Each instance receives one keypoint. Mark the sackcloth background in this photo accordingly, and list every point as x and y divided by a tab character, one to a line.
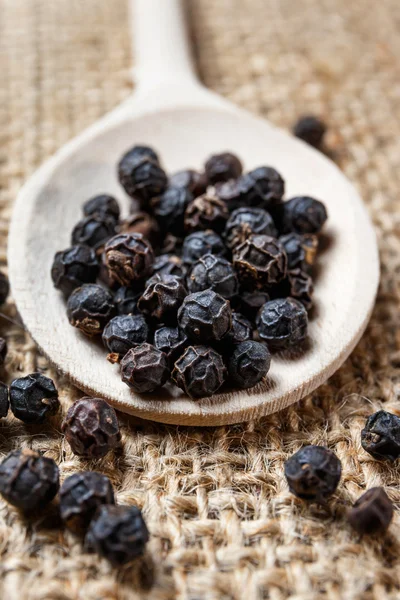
222	522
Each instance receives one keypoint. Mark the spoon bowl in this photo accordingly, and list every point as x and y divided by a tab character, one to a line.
185	123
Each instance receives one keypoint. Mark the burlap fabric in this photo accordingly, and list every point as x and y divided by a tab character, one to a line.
222	522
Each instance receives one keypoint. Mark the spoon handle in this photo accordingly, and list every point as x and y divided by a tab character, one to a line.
161	45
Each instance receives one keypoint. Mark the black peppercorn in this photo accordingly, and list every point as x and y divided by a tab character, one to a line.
260	261
199	243
118	533
28	480
91	427
172	341
4	400
303	215
143	223
73	267
33	398
249	364
162	297
3	351
381	436
169	264
297	285
126	299
199	372
247	221
206	212
311	130
145	369
213	272
372	513
193	181
169	209
268	188
222	167
102	206
129	258
251	302
93	231
4	287
241	331
205	316
81	494
89	308
313	473
300	250
124	332
140	174
282	323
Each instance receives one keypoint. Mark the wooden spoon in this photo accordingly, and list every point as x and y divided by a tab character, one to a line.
173	112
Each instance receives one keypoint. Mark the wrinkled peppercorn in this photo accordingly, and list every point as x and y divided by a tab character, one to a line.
241	332
260	261
169	264
28	480
103	206
199	243
91	427
268	188
193	181
33	398
300	250
311	130
206	212
89	308
199	372
172	341
129	258
144	369
4	400
222	167
3	351
4	287
251	302
205	316
118	533
213	272
125	300
249	364
124	332
313	473
372	513
247	221
303	215
93	231
297	285
81	494
143	223
381	436
282	323
169	209
140	174
162	297
73	267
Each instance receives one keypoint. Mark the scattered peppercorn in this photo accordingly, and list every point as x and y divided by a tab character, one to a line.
126	299
89	308
3	351
4	287
93	231
381	436
222	167
145	368
303	215
124	332
33	398
193	181
162	297
249	364
199	243
74	267
172	341
102	206
4	400
91	427
143	223
28	480
206	212
372	513
205	316
81	494
129	257
247	221
169	264
141	175
118	533
260	261
283	323
310	129
313	473
199	372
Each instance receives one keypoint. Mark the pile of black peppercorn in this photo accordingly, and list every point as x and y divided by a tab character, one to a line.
210	272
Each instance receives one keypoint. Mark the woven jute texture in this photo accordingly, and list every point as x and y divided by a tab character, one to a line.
222	522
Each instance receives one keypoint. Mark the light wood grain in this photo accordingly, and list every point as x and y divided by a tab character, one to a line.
186	123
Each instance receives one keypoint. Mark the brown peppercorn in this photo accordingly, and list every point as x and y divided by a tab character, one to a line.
222	167
145	369
143	223
91	427
162	297
372	513
193	181
129	258
199	372
206	212
260	261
